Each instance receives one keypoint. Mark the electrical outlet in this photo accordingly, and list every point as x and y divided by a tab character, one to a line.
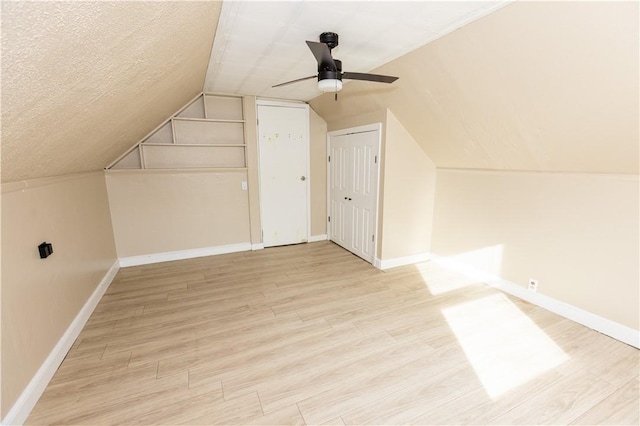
533	285
244	185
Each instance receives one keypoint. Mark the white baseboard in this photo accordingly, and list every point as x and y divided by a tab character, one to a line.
31	394
606	326
316	238
400	261
259	246
146	259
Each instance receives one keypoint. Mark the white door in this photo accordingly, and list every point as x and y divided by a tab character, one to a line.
283	145
353	191
339	171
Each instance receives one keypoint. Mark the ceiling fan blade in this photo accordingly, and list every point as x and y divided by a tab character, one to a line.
323	55
369	77
295	81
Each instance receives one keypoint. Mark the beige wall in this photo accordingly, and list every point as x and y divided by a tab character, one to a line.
407	187
409	191
537	86
40	297
575	233
318	173
164	211
549	86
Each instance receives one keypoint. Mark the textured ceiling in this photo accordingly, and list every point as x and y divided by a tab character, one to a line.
543	86
260	44
84	81
533	86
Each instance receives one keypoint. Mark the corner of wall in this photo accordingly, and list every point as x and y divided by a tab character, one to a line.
408	195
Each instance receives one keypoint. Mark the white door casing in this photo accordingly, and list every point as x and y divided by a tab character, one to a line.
283	151
353	189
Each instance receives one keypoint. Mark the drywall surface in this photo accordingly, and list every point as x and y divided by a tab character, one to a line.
41	297
84	81
545	86
318	173
407	187
409	193
166	211
577	234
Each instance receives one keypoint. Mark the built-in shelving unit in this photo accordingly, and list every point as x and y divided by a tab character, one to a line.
207	133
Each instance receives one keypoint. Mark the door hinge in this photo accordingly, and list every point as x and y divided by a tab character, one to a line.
329	218
329	158
373	238
375	159
262	235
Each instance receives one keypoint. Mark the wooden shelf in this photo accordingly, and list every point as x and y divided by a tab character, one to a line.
177	170
210	145
206	134
210	120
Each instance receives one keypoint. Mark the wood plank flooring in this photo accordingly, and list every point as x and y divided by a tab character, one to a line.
310	334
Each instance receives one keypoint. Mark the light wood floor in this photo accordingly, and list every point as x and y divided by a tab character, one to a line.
310	334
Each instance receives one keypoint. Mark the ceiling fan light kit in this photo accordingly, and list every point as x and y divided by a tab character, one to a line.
330	73
330	85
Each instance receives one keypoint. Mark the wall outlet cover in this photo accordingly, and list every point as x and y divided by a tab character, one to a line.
533	285
45	249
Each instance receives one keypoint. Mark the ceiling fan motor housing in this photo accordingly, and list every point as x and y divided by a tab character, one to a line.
330	39
327	72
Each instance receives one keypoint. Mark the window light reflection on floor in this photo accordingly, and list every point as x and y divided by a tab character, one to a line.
448	273
505	348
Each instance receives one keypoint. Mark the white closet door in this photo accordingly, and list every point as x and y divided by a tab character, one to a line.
353	191
339	170
283	155
363	193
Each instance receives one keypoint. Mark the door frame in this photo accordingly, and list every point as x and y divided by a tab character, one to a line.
284	104
343	132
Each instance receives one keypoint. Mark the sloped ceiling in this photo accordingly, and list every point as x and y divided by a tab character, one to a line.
532	86
262	43
84	81
542	86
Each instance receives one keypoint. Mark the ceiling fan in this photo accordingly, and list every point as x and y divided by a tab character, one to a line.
330	73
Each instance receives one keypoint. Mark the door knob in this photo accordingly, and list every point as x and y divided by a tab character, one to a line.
303	178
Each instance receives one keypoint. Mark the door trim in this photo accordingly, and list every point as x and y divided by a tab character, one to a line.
285	104
342	132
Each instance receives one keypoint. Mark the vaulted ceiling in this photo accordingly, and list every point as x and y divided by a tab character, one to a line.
84	81
530	86
260	44
535	86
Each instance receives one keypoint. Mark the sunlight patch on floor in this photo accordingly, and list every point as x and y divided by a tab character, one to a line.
440	280
505	348
445	274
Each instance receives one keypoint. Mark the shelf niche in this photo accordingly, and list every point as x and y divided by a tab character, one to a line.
206	133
